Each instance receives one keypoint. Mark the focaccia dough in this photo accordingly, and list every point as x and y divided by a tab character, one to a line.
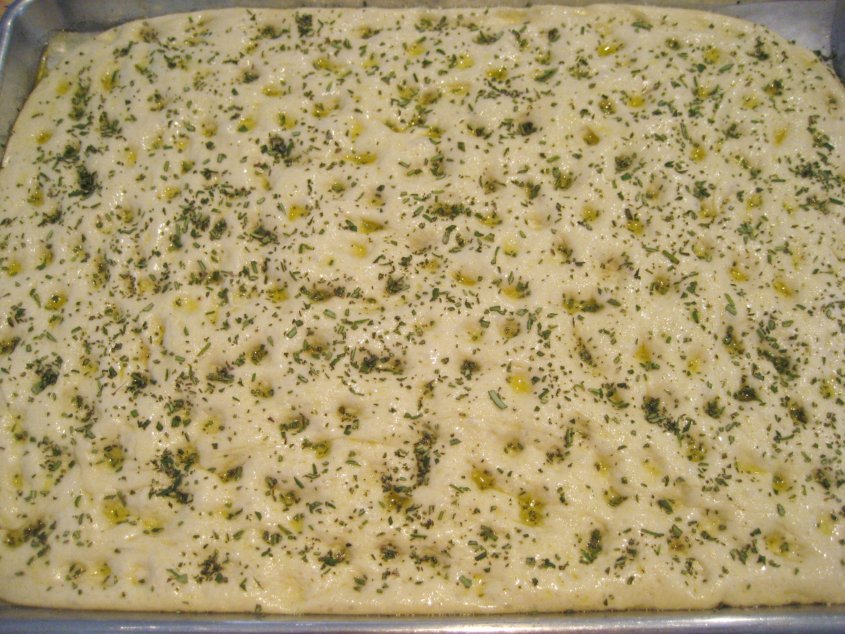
424	311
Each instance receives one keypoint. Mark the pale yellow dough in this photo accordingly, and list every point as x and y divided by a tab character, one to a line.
410	311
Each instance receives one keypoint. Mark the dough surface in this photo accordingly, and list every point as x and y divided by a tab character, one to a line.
424	311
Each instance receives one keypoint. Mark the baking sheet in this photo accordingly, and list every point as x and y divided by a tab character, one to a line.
776	621
24	31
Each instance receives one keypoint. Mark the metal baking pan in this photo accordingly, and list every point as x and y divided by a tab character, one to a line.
24	31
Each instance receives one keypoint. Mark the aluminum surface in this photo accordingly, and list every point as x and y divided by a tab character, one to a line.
837	39
24	31
807	620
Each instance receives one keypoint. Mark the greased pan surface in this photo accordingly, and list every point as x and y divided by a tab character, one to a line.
20	53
